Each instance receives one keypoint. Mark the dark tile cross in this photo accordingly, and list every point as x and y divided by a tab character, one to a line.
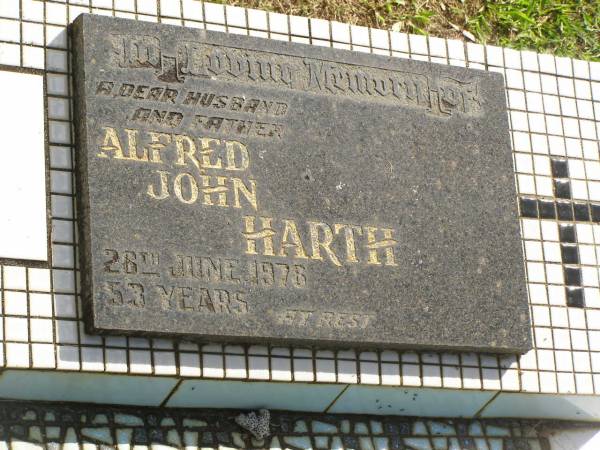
568	212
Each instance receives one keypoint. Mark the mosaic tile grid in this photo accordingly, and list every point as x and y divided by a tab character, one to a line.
77	427
554	113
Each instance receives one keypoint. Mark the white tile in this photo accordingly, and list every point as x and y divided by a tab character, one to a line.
67	357
390	374
170	8
16	329
583	89
529	60
325	370
140	361
523	163
494	55
360	35
411	375
596	91
399	42
107	4
242	31
42	356
33	11
150	6
451	377
236	16
556	295
564	66
437	47
360	48
532	81
278	23
418	44
255	33
281	369
585	109
257	19
10	54
549	84
116	360
14	277
66	332
303	369
319	29
456	49
595	70
10	30
17	355
41	330
39	279
476	53
534	102
299	26
512	58
24	231
56	14
566	86
321	42
15	303
124	5
369	372
9	8
516	100
164	363
566	383
235	366
554	125
212	366
92	359
380	39
40	305
189	364
401	55
547	63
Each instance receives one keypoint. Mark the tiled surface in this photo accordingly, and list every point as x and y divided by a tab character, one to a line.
49	426
421	402
554	113
544	406
85	388
254	395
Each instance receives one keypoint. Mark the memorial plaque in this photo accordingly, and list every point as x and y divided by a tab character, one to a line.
246	190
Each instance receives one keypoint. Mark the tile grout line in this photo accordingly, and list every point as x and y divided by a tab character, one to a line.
485	405
171	393
337	397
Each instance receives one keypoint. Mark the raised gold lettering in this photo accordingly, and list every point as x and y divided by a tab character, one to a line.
349	231
291	239
193	188
252	235
164	187
317	244
387	245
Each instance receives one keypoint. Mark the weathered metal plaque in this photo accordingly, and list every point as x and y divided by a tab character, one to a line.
241	189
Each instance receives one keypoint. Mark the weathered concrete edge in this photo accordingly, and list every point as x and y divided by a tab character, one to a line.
151	390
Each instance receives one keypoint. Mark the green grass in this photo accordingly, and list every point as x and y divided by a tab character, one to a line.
562	27
566	28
